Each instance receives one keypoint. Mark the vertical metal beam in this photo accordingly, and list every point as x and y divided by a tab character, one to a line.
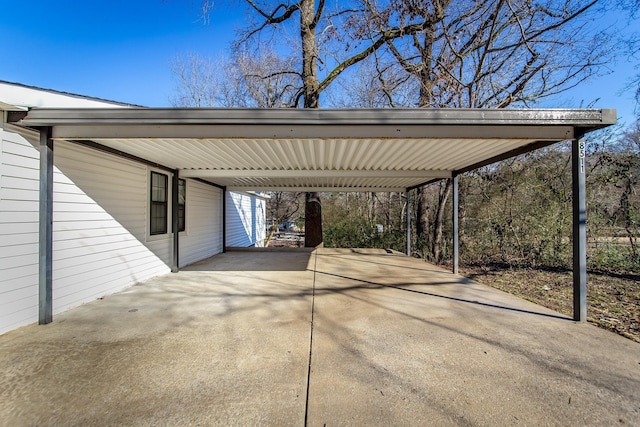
456	231
408	196
175	262
45	272
579	229
224	220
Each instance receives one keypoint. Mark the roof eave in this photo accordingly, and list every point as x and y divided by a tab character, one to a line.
588	119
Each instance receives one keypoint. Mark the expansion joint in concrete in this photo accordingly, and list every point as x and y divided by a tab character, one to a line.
313	302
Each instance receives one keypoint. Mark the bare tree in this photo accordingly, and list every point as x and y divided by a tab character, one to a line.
620	172
469	54
266	77
248	79
370	86
495	53
323	52
632	43
305	17
196	81
466	53
281	207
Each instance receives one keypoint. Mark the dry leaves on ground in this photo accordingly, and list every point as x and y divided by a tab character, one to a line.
613	300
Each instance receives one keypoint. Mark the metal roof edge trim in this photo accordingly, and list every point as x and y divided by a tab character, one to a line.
584	118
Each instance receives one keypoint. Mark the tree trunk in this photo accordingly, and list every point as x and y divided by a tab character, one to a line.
422	216
625	206
313	210
309	54
439	221
312	220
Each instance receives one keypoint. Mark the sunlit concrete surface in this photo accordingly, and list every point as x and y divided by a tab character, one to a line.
330	337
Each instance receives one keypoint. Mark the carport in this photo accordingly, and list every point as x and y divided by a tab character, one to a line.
314	150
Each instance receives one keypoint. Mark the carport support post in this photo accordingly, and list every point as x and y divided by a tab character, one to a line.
224	220
456	230
579	229
408	196
174	221
45	272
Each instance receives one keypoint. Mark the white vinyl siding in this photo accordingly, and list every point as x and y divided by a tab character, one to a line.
18	231
100	229
100	223
246	225
203	236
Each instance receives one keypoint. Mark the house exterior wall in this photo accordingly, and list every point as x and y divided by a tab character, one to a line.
203	235
101	239
246	220
18	231
100	227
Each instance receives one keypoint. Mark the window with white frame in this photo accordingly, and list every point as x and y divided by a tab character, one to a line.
159	207
182	203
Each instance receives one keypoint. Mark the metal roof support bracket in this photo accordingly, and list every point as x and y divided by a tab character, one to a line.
578	157
45	262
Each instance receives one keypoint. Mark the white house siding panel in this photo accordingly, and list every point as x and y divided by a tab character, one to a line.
203	236
100	222
261	221
19	167
246	225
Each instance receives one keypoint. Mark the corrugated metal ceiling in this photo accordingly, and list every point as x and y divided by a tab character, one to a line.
358	164
323	150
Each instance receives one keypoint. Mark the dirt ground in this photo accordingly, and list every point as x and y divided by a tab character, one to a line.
613	300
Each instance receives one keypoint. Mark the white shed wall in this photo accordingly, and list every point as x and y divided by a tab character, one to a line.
246	220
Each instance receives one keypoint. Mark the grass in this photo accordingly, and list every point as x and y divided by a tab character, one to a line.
613	300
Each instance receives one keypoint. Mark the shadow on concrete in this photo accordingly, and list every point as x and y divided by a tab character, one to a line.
294	259
239	341
390	256
462	280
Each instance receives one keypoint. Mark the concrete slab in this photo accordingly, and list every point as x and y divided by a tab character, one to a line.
400	342
394	341
223	342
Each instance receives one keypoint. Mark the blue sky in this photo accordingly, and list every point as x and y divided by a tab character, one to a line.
112	49
121	50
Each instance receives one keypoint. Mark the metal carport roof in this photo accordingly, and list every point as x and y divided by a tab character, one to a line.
314	150
317	150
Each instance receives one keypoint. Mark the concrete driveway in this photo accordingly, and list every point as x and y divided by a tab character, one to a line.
330	337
